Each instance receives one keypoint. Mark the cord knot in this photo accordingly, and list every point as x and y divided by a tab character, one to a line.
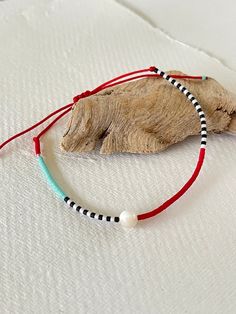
82	95
152	69
37	145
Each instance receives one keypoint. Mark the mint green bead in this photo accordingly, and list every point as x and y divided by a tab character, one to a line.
204	77
50	179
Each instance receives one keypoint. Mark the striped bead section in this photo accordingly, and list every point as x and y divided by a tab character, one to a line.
193	100
88	213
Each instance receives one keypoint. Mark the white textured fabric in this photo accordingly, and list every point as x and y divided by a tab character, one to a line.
52	260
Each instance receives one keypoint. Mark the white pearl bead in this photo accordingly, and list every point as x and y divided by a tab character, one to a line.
128	219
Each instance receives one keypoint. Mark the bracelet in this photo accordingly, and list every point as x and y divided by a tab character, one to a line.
126	218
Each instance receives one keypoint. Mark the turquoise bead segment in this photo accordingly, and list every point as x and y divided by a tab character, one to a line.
204	77
50	179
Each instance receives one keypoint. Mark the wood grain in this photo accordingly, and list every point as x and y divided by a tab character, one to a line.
147	115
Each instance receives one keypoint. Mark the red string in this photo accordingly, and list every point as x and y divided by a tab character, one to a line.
107	84
156	76
33	126
181	192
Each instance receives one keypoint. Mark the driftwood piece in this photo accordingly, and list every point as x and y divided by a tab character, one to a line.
147	115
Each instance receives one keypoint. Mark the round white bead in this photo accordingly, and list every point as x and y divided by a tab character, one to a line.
128	219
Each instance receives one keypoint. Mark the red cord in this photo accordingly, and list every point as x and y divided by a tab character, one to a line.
34	126
88	93
180	192
115	81
157	76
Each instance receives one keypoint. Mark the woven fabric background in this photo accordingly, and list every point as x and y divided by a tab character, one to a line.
52	260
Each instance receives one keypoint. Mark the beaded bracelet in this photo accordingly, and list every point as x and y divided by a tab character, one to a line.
126	218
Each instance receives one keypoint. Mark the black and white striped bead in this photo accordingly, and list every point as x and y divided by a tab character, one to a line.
88	213
193	100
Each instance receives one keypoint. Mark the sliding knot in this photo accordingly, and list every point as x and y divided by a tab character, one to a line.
82	95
